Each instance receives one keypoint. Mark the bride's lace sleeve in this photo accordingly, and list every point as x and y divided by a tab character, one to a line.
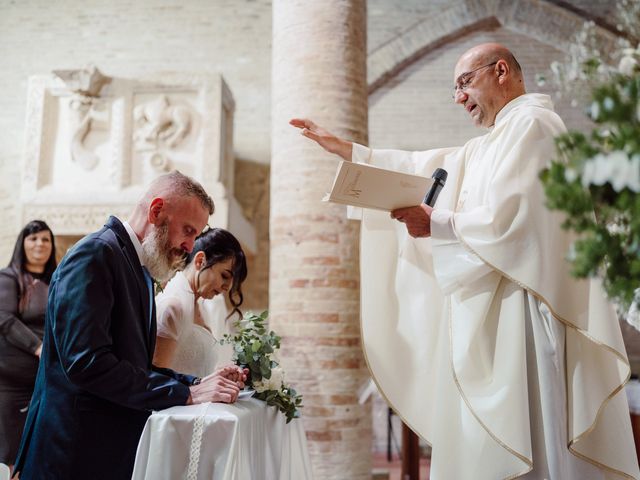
170	318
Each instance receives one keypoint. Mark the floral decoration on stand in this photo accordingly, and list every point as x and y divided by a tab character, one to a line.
255	349
599	173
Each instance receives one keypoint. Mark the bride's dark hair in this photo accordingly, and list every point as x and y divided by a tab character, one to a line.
219	245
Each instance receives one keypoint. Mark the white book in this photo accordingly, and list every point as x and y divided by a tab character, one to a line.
366	186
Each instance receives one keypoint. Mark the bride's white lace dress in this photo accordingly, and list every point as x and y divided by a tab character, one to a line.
198	352
219	435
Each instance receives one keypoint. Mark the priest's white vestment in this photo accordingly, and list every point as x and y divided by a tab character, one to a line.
478	336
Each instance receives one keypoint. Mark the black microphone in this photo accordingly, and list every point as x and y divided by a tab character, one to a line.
439	177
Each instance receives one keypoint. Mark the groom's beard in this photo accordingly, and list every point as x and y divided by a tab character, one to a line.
161	260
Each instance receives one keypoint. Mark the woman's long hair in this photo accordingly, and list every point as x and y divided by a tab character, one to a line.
19	260
219	245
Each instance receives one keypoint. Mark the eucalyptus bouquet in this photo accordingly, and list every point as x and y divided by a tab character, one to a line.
599	173
255	348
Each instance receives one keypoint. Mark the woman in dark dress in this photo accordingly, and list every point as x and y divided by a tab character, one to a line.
23	299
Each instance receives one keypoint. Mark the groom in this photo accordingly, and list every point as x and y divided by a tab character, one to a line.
96	385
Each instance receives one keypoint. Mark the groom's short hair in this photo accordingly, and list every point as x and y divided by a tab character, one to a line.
176	183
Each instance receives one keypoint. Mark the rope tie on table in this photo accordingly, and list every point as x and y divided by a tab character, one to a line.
194	449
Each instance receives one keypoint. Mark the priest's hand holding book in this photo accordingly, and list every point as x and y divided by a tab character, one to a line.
368	186
417	219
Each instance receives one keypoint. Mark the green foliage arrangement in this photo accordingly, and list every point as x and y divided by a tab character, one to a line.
254	348
599	173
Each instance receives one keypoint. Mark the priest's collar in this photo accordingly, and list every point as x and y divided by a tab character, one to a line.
528	99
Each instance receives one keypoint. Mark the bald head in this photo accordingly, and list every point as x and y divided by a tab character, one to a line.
489	53
487	77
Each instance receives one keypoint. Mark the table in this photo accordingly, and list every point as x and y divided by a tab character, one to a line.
217	441
632	389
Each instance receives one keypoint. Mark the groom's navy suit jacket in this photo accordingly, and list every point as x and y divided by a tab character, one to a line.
95	385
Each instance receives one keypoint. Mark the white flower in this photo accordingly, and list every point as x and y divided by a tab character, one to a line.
616	168
273	383
617	229
277	378
627	65
593	174
570	174
608	104
259	386
633	182
594	111
587	173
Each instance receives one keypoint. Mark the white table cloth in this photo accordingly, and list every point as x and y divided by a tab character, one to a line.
217	441
633	396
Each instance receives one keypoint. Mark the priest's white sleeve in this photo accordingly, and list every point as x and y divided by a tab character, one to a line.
455	266
419	163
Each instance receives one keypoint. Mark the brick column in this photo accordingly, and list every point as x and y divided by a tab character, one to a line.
319	72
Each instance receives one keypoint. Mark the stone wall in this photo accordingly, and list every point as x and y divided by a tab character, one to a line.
389	19
252	191
131	39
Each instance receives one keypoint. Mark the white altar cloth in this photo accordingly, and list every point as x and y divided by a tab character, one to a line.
217	441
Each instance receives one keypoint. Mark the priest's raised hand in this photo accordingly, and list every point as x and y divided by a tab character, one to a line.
324	138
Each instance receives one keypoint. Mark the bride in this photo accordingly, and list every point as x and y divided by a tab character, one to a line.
191	310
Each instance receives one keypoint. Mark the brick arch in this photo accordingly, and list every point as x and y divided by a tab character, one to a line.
547	22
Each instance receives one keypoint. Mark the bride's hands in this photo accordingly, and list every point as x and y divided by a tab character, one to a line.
223	385
234	373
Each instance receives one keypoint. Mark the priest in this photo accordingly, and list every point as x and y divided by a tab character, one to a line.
473	327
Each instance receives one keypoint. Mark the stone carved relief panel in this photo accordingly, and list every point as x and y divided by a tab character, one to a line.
165	130
88	114
95	142
75	219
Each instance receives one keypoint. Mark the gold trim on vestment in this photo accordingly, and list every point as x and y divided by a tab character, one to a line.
366	358
512	451
585	334
520	456
384	396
